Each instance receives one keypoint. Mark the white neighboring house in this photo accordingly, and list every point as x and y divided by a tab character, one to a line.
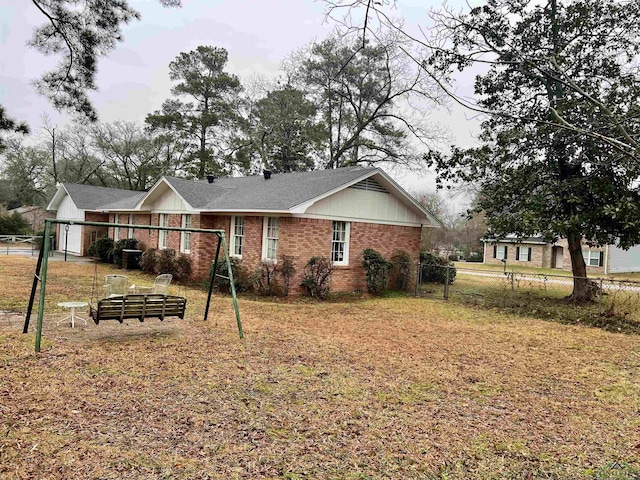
83	202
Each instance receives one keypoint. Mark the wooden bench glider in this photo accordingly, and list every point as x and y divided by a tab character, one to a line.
140	306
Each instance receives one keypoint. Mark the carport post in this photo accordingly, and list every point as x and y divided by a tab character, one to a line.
43	283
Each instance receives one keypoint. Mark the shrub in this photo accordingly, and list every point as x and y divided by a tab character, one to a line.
287	269
474	257
241	276
181	267
166	261
433	269
317	277
149	260
266	279
125	243
102	248
376	269
453	257
402	269
13	224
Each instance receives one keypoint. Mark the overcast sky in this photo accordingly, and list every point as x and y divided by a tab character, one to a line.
133	80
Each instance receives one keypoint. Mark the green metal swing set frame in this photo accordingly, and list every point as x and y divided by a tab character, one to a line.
43	262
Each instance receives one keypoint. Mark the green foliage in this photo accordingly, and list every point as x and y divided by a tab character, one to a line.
376	269
317	277
402	269
287	269
212	97
149	260
122	244
242	279
434	269
13	224
166	261
453	257
475	257
283	132
102	248
560	155
266	279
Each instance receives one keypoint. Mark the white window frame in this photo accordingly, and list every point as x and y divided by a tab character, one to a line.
266	238
234	236
345	242
185	237
116	230
501	252
590	255
163	235
525	258
132	221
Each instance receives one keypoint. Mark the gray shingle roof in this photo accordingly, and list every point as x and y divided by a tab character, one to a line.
90	197
281	192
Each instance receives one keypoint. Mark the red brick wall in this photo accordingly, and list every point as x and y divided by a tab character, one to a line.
303	238
88	229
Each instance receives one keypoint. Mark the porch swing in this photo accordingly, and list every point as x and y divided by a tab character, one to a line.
123	305
120	307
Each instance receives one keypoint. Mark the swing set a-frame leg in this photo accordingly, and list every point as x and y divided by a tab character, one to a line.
222	242
34	287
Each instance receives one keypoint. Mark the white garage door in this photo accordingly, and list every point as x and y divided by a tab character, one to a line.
74	238
624	260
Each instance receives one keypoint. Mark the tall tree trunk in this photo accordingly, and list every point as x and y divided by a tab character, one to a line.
581	286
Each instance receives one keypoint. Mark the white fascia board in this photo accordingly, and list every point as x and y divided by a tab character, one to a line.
386	182
302	207
236	211
163	180
57	198
359	220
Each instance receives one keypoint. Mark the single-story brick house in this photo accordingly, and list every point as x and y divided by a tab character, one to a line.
333	213
535	252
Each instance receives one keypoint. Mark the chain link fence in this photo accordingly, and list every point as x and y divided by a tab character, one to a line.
615	304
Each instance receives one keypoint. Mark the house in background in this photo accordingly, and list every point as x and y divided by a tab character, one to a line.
85	203
535	252
33	215
332	213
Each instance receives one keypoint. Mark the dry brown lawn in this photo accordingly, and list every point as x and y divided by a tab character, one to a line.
398	388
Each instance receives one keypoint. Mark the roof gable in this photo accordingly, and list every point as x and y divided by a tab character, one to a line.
91	197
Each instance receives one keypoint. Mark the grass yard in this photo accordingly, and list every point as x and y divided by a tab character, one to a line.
359	388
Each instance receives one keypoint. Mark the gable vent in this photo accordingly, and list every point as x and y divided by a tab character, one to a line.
369	184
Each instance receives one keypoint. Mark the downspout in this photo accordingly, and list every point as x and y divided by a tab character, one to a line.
606	259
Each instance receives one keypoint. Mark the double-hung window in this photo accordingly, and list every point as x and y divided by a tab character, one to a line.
116	230
270	235
163	234
185	237
593	258
500	252
523	254
237	236
340	243
132	221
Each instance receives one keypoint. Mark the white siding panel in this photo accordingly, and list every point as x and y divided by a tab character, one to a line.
68	211
624	260
74	237
364	205
169	202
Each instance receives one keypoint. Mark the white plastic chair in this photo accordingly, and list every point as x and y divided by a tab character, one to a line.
161	283
115	285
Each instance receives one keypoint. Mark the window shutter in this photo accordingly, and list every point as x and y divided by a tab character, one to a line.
601	263
495	251
529	255
506	250
517	253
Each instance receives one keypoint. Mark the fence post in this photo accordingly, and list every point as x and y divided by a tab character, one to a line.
418	273
600	299
446	283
